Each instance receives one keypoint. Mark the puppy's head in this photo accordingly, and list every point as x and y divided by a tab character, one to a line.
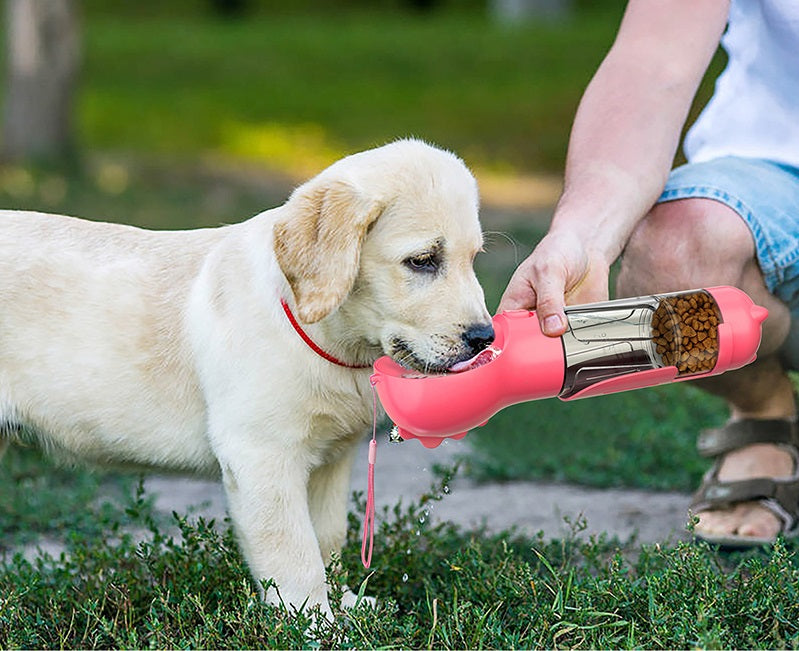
386	239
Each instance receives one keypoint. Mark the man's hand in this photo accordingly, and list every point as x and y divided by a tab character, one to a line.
560	270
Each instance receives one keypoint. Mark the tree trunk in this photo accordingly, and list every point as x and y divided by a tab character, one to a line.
43	58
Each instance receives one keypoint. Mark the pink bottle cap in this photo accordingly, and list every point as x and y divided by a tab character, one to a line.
740	331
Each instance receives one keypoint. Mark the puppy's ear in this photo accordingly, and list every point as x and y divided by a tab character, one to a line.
318	246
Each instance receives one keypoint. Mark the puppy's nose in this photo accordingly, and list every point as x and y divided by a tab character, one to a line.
478	337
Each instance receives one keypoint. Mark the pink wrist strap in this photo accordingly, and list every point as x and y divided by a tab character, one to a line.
369	516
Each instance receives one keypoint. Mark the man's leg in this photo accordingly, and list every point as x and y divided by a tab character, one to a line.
693	243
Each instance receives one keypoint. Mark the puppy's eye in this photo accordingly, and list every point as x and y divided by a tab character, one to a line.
426	262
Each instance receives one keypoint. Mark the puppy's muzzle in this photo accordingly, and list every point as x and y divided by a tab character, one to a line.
477	337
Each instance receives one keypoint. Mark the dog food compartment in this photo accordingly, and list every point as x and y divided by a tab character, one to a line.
685	329
622	337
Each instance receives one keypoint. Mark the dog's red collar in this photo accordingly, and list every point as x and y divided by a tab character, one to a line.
310	342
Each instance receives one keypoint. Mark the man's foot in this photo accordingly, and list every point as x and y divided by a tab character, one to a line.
747	519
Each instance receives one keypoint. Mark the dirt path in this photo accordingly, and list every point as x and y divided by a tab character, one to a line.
404	470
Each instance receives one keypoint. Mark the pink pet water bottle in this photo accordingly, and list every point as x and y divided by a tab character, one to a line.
608	347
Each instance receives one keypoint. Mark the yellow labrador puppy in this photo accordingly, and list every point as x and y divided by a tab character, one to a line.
245	351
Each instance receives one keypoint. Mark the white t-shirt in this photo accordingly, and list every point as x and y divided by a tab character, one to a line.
754	111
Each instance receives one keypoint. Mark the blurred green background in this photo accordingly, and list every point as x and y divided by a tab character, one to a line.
296	85
194	113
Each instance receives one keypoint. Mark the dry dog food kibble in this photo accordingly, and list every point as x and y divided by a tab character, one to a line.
685	332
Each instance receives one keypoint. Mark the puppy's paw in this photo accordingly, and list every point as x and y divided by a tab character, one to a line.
349	599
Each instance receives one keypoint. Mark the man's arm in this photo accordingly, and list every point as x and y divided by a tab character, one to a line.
623	141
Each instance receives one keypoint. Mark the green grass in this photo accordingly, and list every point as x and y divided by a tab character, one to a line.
644	439
40	499
293	90
437	587
289	90
146	192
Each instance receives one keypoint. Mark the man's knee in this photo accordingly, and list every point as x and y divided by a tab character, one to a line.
685	244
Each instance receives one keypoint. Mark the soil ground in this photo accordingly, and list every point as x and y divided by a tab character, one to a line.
404	470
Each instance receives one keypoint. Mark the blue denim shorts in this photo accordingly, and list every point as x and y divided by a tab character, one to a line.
766	196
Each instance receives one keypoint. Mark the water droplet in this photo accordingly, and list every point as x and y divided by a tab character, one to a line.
446	489
421	520
404	578
408	551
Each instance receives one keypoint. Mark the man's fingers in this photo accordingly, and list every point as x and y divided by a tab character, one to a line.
550	312
519	294
538	284
517	299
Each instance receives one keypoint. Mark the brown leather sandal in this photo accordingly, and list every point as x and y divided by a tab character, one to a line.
780	496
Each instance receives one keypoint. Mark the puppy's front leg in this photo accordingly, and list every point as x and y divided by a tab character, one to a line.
328	491
267	499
